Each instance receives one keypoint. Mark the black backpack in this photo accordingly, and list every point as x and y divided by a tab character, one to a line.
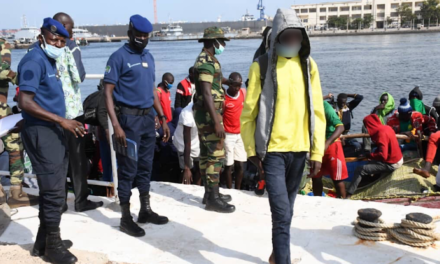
90	106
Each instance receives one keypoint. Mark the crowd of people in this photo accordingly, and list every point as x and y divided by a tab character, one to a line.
213	134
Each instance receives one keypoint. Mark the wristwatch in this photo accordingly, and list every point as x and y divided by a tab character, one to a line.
163	117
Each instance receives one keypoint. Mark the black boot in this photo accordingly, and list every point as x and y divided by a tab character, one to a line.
146	214
40	243
225	197
127	225
55	251
87	206
215	203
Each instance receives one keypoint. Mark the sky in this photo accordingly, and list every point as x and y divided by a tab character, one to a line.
110	12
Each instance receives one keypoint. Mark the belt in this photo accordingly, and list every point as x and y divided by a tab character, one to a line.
217	105
134	111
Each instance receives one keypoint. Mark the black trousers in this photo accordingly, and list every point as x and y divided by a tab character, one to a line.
46	148
78	166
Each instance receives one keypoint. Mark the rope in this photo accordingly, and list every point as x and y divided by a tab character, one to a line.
407	232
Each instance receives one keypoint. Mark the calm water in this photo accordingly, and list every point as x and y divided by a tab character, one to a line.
367	65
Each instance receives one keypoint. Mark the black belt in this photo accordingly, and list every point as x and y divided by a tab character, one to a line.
134	111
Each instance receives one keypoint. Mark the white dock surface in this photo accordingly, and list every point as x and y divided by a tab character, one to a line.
321	232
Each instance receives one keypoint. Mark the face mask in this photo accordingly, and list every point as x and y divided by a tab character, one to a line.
220	49
169	86
287	51
51	51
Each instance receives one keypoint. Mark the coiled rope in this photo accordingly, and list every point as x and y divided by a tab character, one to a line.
407	232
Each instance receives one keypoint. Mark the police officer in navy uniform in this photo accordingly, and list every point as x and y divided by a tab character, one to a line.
41	98
130	87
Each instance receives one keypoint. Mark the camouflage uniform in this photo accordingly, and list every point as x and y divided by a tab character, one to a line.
212	151
12	142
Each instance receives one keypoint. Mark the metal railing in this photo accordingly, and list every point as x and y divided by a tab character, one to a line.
113	184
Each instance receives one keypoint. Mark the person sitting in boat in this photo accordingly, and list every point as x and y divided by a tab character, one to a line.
333	162
344	110
436	105
434	141
185	90
415	100
384	110
387	156
409	122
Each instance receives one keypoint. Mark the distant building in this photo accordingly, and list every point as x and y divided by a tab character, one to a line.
316	15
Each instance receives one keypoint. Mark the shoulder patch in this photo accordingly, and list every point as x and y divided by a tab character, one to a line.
108	69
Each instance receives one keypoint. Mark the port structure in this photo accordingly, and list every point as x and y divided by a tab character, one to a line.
261	8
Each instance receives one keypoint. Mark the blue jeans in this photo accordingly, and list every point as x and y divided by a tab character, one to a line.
283	176
131	173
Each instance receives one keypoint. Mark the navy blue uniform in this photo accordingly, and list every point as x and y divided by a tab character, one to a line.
133	75
44	141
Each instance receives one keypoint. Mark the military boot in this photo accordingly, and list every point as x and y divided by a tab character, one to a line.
40	243
215	203
146	214
18	198
128	226
225	197
56	252
2	195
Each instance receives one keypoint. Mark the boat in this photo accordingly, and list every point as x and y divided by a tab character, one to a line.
247	17
79	33
26	35
175	33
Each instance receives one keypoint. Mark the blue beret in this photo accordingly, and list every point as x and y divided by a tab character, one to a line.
141	24
55	27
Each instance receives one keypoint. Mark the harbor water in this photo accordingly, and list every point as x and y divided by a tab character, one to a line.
367	65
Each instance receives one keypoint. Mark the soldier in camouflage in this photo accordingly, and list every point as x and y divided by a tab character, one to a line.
12	142
208	107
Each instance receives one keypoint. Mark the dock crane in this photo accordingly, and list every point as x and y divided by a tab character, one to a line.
261	8
155	12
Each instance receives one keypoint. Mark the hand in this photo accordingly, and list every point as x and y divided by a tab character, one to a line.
219	130
380	107
315	167
257	162
120	135
330	95
17	128
156	122
166	132
327	144
187	176
73	126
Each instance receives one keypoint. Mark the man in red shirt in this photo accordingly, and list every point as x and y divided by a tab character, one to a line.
185	90
385	159
235	152
163	92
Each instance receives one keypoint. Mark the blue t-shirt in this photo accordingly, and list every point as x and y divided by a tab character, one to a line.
37	74
133	75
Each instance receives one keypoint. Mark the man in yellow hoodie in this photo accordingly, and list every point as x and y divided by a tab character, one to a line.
283	119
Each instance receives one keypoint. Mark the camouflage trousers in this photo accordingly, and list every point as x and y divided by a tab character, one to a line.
212	150
14	147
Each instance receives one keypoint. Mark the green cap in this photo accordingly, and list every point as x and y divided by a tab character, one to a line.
213	33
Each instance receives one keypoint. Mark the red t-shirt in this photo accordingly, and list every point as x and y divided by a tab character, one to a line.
165	102
232	112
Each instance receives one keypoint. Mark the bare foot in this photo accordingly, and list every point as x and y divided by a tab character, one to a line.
422	172
272	259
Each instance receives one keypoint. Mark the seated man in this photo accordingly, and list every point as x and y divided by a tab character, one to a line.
408	122
186	141
436	105
333	162
163	92
344	110
415	99
385	159
234	148
434	141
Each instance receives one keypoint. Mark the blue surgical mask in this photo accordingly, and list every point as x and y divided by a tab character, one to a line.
287	51
169	86
51	51
220	49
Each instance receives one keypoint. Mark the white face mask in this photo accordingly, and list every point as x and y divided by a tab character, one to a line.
51	51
